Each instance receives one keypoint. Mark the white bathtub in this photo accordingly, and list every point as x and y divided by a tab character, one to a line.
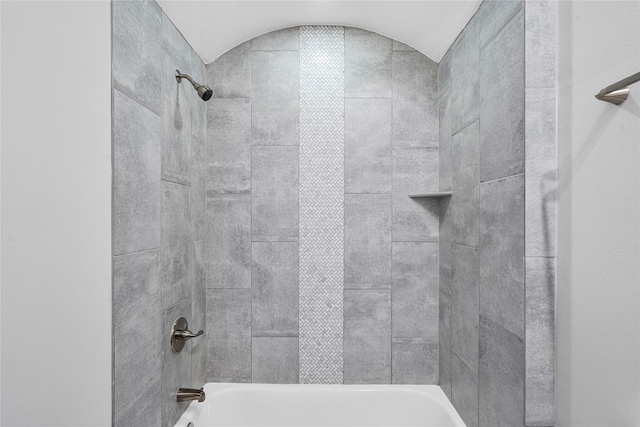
321	405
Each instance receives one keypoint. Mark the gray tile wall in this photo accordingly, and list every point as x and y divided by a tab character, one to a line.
540	182
252	211
497	142
272	135
159	214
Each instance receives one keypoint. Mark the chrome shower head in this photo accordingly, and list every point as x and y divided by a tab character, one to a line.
204	92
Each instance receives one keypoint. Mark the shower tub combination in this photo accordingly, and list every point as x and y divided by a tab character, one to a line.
261	405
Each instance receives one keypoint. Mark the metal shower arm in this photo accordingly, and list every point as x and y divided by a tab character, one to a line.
618	92
180	76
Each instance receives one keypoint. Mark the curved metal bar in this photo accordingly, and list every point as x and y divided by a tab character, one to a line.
618	92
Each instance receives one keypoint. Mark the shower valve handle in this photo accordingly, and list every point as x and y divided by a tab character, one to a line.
187	334
180	334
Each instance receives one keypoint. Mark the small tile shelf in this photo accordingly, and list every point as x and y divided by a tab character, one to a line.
436	195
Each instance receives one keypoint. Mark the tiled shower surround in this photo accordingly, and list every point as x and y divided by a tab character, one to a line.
497	231
281	217
159	215
320	268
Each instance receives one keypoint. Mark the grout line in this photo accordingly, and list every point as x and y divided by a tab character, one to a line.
276	145
210	193
299	164
275	336
477	119
275	50
230	97
415	241
463	246
136	252
503	329
506	23
455	353
368	97
115	86
169	181
504	178
251	193
344	184
393	176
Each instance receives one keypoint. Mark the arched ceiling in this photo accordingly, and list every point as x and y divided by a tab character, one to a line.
212	27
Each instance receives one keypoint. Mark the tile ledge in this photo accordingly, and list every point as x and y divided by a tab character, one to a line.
434	194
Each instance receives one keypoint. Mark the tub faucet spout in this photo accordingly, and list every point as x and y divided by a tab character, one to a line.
187	394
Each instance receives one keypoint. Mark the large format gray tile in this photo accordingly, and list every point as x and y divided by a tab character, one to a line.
136	319
465	183
415	99
198	364
415	360
445	241
198	106
137	51
229	76
367	67
465	66
540	341
464	392
493	15
541	23
367	337
176	367
199	315
541	173
285	39
444	147
175	45
274	360
415	170
399	46
502	103
501	376
136	176
197	192
176	243
444	73
367	146
228	243
275	95
176	124
275	194
198	286
502	253
229	145
465	305
367	241
444	343
229	335
274	289
146	411
415	290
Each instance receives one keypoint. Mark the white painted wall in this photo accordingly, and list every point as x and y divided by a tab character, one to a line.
56	213
213	27
598	323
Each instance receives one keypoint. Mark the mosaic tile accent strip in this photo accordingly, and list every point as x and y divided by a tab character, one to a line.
321	198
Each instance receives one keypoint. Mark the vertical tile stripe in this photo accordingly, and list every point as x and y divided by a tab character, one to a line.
321	197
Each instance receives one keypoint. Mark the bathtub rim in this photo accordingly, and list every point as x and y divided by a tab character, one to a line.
430	391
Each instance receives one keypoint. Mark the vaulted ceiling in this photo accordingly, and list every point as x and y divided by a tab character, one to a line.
212	27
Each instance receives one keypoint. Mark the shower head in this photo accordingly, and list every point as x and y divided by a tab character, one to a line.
204	92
